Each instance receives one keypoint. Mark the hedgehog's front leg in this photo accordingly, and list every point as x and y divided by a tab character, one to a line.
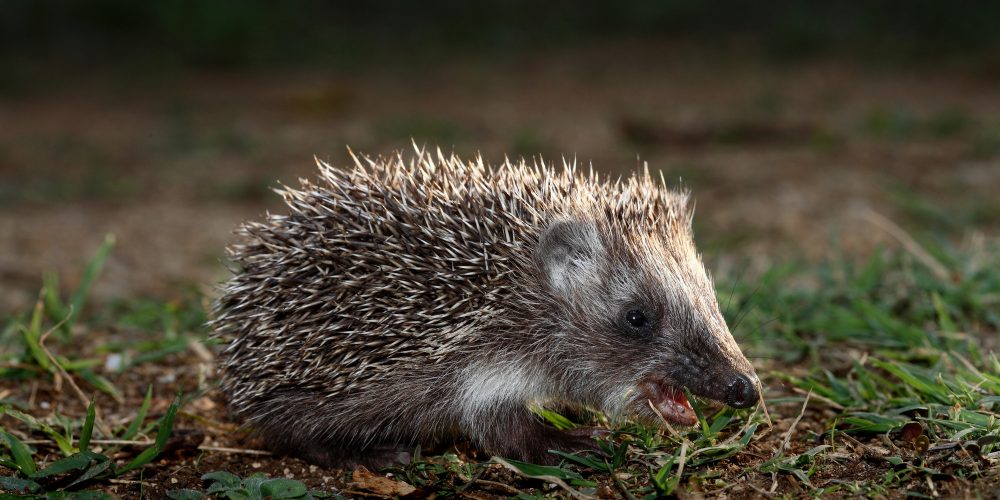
515	432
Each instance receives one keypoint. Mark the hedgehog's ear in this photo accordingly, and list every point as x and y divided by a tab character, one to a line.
569	253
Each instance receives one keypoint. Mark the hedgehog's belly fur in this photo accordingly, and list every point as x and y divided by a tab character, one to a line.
419	405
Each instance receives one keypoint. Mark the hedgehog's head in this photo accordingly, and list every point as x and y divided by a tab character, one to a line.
638	319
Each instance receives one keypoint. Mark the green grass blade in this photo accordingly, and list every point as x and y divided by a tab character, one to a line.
945	322
167	424
17	485
97	470
88	426
32	343
162	435
133	427
65	446
20	452
100	383
907	374
583	460
665	482
73	462
557	420
538	471
89	274
141	459
55	309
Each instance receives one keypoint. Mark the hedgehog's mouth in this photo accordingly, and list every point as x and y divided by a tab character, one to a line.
669	401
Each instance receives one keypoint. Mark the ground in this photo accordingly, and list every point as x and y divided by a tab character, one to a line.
847	212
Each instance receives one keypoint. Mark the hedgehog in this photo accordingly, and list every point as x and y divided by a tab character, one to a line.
424	300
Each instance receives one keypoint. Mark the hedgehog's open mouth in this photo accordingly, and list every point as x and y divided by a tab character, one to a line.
670	402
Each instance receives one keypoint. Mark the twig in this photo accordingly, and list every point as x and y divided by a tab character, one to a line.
680	465
544	477
854	444
829	402
785	442
126	442
669	427
930	483
112	442
972	368
32	393
716	493
686	441
618	482
241	451
98	421
201	351
763	404
760	490
209	422
735	436
908	243
131	481
363	494
500	486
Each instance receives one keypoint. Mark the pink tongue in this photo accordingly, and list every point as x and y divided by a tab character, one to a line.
672	403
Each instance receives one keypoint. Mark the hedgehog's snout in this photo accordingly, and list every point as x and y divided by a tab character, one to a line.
716	370
742	391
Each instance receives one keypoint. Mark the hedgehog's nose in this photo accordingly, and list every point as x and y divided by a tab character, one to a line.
742	391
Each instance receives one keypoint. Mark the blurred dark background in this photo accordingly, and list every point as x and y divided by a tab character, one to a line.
793	122
240	34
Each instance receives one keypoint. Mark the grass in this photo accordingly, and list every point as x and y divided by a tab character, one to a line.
76	465
79	466
902	124
256	486
891	345
881	375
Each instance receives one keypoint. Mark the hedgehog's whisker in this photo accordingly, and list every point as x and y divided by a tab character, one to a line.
732	292
762	325
743	313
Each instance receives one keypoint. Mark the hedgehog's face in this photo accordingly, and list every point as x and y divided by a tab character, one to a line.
641	323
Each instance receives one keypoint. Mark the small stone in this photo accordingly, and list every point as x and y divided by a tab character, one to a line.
114	362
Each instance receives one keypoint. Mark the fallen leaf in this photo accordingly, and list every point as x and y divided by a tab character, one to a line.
987	440
363	479
911	431
972	448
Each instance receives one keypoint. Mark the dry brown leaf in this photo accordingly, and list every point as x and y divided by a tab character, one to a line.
363	479
911	431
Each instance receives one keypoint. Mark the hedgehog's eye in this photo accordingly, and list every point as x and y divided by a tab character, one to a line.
636	319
